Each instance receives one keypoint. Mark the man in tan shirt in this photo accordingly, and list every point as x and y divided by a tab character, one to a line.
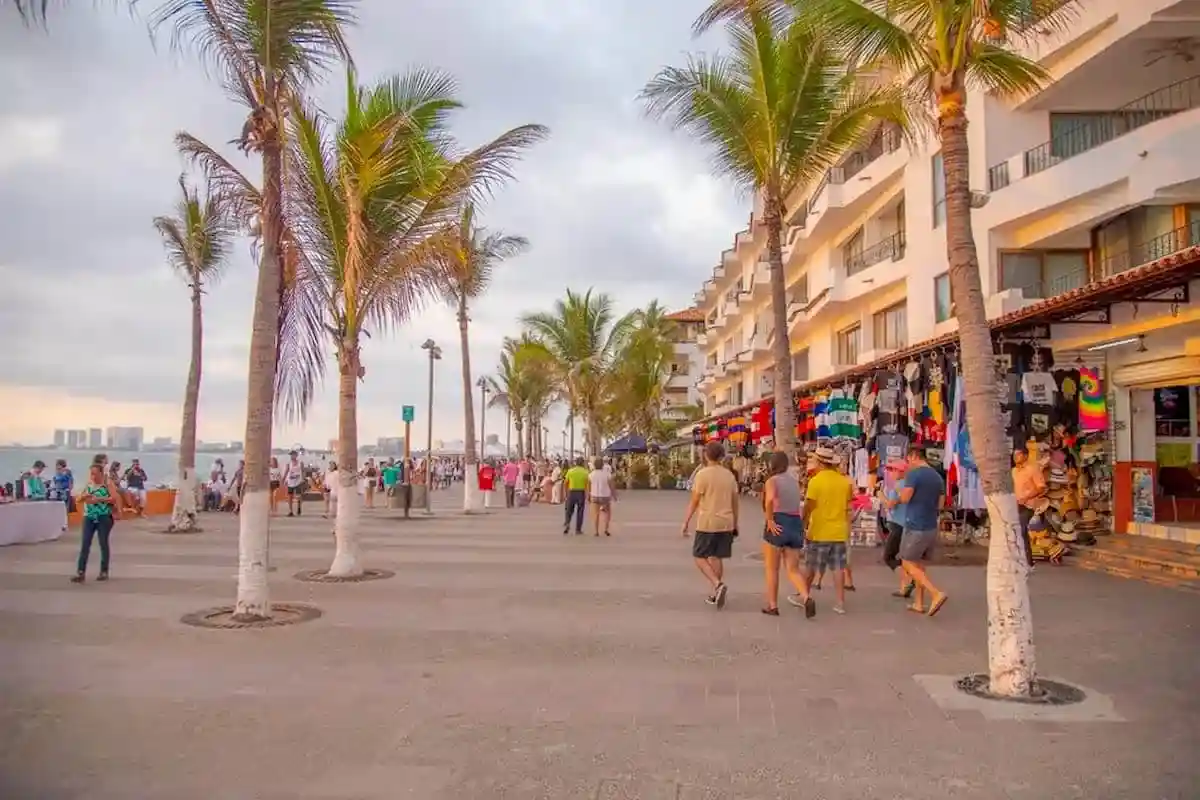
1029	484
714	504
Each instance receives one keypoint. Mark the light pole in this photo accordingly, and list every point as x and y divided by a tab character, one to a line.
564	444
483	390
508	431
435	354
545	440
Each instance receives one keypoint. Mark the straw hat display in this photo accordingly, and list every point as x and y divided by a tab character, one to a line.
1078	495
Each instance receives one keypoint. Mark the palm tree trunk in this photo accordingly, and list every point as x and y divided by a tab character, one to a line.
1011	662
519	424
471	452
785	409
254	519
347	559
183	516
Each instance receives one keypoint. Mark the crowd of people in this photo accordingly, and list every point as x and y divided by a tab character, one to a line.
809	507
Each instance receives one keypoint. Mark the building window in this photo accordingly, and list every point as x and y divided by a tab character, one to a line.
1042	274
800	366
939	191
799	290
943	299
852	252
891	327
848	345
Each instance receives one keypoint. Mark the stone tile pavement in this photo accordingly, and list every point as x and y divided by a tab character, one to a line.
507	661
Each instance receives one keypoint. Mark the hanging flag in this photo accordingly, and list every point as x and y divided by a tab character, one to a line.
1093	413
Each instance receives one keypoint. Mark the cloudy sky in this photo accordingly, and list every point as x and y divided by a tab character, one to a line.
93	324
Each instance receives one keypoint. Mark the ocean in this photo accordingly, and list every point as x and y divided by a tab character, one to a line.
161	468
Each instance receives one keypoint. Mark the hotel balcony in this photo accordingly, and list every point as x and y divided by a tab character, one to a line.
1118	158
760	281
708	379
844	189
732	365
702	339
730	306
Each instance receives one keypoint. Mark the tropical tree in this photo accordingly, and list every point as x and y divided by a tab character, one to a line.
265	52
582	336
198	240
475	255
777	112
375	201
639	374
523	383
940	48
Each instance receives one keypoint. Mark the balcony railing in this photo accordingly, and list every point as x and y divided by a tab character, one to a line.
1159	247
1101	129
890	248
888	141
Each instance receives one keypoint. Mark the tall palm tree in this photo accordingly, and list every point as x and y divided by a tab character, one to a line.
582	336
641	370
198	240
777	112
266	52
475	256
374	202
940	48
525	382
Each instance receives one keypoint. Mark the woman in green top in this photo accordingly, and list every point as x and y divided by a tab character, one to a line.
101	502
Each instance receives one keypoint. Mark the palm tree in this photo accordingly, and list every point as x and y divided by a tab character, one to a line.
476	254
582	336
266	53
641	370
523	384
198	239
373	201
776	113
940	48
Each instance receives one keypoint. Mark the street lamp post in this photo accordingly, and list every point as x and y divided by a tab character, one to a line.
564	443
545	440
483	390
435	354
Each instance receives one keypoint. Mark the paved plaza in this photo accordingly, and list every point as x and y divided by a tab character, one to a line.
505	660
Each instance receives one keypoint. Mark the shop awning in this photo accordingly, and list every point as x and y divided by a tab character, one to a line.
1149	280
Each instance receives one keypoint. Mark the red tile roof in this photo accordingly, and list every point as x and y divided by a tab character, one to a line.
1154	276
687	315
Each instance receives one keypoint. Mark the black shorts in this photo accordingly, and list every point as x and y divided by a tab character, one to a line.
274	485
712	545
296	489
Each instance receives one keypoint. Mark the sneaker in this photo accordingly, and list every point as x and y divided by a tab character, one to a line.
78	578
722	591
839	610
103	576
291	514
711	599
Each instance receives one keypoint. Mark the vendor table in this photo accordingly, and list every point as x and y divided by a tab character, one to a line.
31	522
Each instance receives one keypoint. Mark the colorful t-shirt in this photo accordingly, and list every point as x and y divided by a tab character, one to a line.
577	479
97	511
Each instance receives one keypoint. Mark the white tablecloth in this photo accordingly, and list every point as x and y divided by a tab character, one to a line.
31	522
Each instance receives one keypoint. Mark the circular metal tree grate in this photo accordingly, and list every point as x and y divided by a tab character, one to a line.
323	576
1045	693
222	617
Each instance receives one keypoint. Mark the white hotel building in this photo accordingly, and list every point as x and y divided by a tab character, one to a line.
1094	175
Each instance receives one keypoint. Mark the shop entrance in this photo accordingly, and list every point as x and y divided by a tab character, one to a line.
1176	451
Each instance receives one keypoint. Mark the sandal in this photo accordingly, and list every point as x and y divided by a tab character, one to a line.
937	605
771	612
78	578
915	610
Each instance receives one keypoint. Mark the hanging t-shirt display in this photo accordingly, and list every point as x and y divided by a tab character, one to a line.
1038	391
866	407
843	414
891	447
914	398
806	423
821	412
1093	413
1066	406
888	402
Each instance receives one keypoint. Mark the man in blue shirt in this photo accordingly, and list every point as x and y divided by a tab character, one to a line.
894	521
923	496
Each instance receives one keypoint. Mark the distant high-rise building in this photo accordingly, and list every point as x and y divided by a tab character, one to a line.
390	445
95	438
76	439
122	438
60	437
333	445
237	446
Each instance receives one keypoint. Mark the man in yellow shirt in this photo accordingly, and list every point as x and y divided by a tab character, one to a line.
576	481
827	515
714	504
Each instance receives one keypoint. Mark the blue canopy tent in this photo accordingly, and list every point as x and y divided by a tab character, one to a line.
627	444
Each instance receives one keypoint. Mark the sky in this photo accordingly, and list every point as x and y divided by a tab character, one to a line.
95	326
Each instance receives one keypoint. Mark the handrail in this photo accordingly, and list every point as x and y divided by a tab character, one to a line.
1151	250
886	141
1159	104
890	248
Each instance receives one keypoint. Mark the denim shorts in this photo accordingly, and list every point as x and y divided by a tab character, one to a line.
791	535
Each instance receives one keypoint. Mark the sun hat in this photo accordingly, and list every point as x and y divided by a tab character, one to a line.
825	455
1041	505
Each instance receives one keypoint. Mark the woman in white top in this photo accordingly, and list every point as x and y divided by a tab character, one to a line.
276	480
601	494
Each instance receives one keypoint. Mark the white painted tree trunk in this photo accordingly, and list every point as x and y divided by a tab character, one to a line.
1011	657
253	596
183	516
471	494
347	562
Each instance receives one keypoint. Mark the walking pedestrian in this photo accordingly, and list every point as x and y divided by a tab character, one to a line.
293	479
370	478
827	514
714	505
276	475
101	501
894	521
510	474
783	537
1029	485
923	496
576	481
601	494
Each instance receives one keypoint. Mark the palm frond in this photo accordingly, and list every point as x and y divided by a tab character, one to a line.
199	238
242	198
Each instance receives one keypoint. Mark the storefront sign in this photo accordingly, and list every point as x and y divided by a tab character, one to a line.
1142	479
